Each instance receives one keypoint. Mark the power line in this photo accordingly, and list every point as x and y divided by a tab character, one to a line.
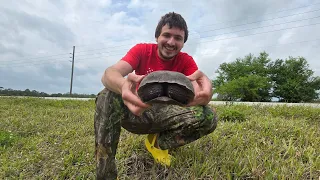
276	45
83	59
41	60
246	23
48	60
9	61
312	4
261	21
102	43
107	47
29	58
259	33
41	57
227	27
28	63
101	52
206	37
275	12
224	38
240	31
265	26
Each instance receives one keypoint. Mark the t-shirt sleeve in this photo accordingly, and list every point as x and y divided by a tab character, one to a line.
133	56
190	66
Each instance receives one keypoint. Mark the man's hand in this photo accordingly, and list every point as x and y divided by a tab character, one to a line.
130	95
202	88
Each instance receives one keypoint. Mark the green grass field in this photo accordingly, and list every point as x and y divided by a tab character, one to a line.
48	139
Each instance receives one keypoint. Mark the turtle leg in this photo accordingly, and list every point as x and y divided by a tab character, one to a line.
107	118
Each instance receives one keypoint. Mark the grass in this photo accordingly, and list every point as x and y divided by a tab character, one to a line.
48	139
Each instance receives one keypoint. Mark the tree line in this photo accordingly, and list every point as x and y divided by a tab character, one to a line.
34	93
259	79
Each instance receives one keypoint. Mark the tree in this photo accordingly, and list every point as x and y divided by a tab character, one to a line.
260	79
26	92
251	88
245	79
34	93
293	81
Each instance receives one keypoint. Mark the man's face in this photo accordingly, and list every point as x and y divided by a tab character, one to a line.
170	42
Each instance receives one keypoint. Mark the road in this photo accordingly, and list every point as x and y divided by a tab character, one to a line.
316	105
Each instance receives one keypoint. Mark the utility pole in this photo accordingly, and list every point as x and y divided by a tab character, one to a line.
72	70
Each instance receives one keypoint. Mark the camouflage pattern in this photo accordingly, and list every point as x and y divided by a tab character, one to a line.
175	125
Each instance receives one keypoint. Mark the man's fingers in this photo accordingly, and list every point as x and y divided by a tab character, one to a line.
204	94
135	78
129	94
196	75
133	99
193	103
135	109
130	97
207	84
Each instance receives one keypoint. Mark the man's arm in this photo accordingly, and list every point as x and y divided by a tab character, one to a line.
202	87
113	77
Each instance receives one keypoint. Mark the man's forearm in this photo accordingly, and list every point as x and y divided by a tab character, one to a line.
113	80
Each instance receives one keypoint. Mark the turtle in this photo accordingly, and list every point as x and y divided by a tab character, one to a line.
166	87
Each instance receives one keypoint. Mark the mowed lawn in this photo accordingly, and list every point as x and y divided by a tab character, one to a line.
50	139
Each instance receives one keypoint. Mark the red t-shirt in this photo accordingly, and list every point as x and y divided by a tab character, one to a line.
144	59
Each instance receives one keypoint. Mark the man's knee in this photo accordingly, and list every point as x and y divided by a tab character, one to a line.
210	118
107	97
99	99
207	118
205	114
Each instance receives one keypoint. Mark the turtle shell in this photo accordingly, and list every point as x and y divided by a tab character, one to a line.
166	87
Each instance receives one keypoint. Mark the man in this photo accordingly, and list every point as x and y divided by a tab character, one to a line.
168	126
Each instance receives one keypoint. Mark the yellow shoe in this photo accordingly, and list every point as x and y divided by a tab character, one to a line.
161	156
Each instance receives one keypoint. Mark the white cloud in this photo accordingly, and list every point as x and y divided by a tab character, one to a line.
105	3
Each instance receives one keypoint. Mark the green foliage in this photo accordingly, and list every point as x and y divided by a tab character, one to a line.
293	81
232	115
259	79
34	93
249	65
247	88
244	79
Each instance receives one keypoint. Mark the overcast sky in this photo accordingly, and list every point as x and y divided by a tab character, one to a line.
37	36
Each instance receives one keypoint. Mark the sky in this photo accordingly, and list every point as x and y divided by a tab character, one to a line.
37	36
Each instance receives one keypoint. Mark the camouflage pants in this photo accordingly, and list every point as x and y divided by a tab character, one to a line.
176	126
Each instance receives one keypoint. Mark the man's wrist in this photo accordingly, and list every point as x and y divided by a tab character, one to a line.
121	86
